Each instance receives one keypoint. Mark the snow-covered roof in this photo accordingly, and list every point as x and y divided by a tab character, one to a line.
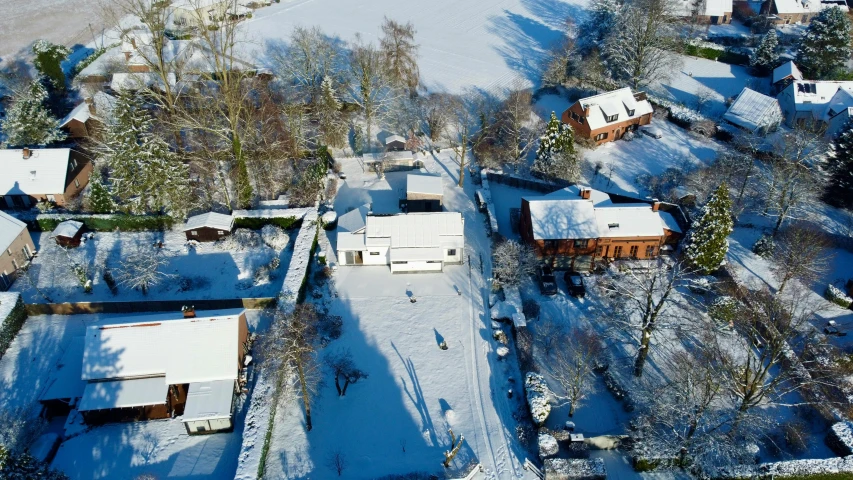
66	379
354	220
668	222
394	138
80	113
417	254
752	110
711	8
428	184
209	400
184	350
597	197
213	220
134	392
68	229
401	156
562	218
616	102
803	6
787	69
816	96
414	230
122	82
628	221
42	174
10	228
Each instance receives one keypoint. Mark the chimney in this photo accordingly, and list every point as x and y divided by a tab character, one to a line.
27	153
126	56
586	110
90	101
585	192
640	96
189	311
655	206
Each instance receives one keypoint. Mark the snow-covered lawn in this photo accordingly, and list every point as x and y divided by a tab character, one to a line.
224	269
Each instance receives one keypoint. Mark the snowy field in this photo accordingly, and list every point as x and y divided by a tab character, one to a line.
224	269
124	450
61	21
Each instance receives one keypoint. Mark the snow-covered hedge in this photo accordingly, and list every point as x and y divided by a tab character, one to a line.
575	469
537	397
840	438
836	296
12	317
107	222
792	468
548	446
679	114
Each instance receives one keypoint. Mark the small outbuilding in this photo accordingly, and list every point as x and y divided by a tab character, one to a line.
68	233
754	112
209	227
395	143
424	193
784	75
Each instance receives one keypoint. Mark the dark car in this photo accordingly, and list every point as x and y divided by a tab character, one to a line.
547	280
574	283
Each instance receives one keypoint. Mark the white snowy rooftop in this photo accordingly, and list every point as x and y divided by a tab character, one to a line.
628	221
354	220
752	110
428	184
817	96
122	82
210	220
133	392
394	138
788	69
10	228
803	6
711	8
618	102
563	218
209	400
68	228
43	173
668	222
413	230
183	350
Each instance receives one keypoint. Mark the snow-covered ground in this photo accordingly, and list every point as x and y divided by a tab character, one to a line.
61	21
223	269
125	450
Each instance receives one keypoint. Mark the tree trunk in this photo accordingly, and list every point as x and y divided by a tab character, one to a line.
344	391
572	409
643	352
462	161
305	399
338	385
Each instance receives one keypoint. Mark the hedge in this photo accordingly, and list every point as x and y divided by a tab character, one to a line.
717	55
106	223
253	223
11	325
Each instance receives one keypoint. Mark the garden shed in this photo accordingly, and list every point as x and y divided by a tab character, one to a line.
209	227
68	233
424	193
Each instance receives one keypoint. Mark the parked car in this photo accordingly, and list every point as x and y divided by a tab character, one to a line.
547	280
830	330
574	283
653	132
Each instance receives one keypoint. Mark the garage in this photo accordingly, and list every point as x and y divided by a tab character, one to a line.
410	260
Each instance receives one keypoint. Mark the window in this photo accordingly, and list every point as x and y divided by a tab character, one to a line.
580	120
77	183
631	113
581	243
374	253
32	174
617	251
612	225
612	118
575	116
600	136
551	244
634	250
220	232
451	252
650	251
194	233
598	251
9	251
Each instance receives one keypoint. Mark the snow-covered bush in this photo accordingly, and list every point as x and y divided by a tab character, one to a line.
574	468
836	296
840	438
547	445
764	247
723	310
12	317
537	397
502	352
678	113
242	239
274	237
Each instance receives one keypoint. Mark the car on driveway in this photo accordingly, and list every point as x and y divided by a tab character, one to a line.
653	132
547	280
574	283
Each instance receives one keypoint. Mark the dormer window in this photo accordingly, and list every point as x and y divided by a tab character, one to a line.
631	113
612	225
612	118
32	174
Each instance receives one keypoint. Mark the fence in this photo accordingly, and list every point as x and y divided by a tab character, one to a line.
146	306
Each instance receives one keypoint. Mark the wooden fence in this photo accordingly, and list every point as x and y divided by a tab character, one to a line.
146	306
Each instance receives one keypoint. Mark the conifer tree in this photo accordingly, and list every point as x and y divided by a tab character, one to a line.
99	198
766	55
48	61
333	128
839	166
145	175
28	122
825	47
556	155
244	186
707	243
603	15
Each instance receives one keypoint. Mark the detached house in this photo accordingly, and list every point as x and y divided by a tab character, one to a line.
784	74
825	103
91	114
711	12
415	242
785	12
32	175
606	117
16	248
582	222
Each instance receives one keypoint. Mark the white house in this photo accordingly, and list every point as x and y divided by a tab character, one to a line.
754	112
785	74
414	242
714	12
823	102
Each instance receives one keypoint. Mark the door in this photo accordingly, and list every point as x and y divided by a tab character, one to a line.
27	254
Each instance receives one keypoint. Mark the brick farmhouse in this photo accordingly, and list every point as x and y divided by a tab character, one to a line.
606	117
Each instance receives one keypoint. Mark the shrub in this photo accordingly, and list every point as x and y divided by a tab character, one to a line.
253	223
530	309
836	296
110	281
723	310
764	247
10	326
106	223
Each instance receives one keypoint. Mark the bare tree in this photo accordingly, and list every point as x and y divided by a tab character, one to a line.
343	367
400	54
310	58
369	86
555	69
337	461
142	268
645	296
517	127
573	363
455	445
512	261
437	113
801	253
703	96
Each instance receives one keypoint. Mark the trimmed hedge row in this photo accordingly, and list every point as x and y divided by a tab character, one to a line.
259	223
11	325
724	56
105	223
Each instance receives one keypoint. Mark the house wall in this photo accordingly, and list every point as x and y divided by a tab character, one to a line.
376	256
70	241
14	254
412	267
243	340
726	18
614	130
791	18
134	414
77	178
423	196
423	205
206	234
395	146
76	129
206	426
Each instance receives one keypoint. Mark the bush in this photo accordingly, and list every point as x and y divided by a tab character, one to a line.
836	296
724	310
105	223
537	397
764	247
110	281
253	223
10	326
795	434
530	309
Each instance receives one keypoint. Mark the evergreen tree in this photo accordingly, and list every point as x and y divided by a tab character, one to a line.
358	140
825	47
766	55
28	122
333	128
599	24
707	243
145	175
556	155
48	61
22	466
244	186
839	166
99	198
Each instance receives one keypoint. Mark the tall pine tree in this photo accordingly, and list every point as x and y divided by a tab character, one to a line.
603	15
708	242
99	198
825	47
556	155
145	175
28	121
244	185
332	126
766	55
48	61
839	166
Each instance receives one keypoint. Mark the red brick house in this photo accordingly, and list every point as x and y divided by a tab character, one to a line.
31	175
606	117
